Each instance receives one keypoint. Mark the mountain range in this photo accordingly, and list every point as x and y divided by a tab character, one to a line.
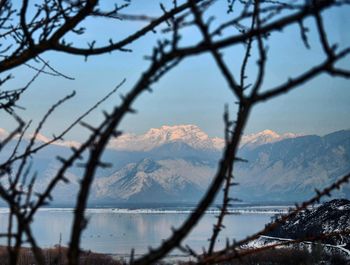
191	135
177	163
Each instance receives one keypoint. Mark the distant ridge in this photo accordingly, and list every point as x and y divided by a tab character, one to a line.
191	135
177	163
264	137
155	137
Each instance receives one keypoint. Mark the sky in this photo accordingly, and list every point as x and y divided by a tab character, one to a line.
194	92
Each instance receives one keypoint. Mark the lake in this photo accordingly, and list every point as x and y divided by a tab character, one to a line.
117	231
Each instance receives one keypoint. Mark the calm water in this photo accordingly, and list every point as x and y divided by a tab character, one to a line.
117	231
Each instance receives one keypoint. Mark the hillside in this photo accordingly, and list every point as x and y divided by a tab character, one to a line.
330	217
177	163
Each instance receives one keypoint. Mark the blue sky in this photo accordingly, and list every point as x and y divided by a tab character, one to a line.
194	92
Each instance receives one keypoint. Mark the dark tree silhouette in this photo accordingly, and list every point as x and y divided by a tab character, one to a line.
27	36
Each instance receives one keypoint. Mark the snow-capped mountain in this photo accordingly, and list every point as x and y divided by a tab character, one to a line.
290	169
279	170
155	137
153	181
191	135
177	163
264	137
40	138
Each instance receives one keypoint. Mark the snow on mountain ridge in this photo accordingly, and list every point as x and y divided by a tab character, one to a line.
155	137
40	138
191	135
264	137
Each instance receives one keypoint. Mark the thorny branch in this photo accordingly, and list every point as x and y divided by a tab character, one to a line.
25	38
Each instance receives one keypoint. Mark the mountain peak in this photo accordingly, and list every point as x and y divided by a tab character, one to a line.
264	137
191	135
269	132
155	137
177	132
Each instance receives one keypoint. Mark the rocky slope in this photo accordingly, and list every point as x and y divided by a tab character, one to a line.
155	181
290	169
330	217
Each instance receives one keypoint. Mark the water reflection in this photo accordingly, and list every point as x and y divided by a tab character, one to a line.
112	232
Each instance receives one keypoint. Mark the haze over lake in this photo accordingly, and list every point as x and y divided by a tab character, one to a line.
117	231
